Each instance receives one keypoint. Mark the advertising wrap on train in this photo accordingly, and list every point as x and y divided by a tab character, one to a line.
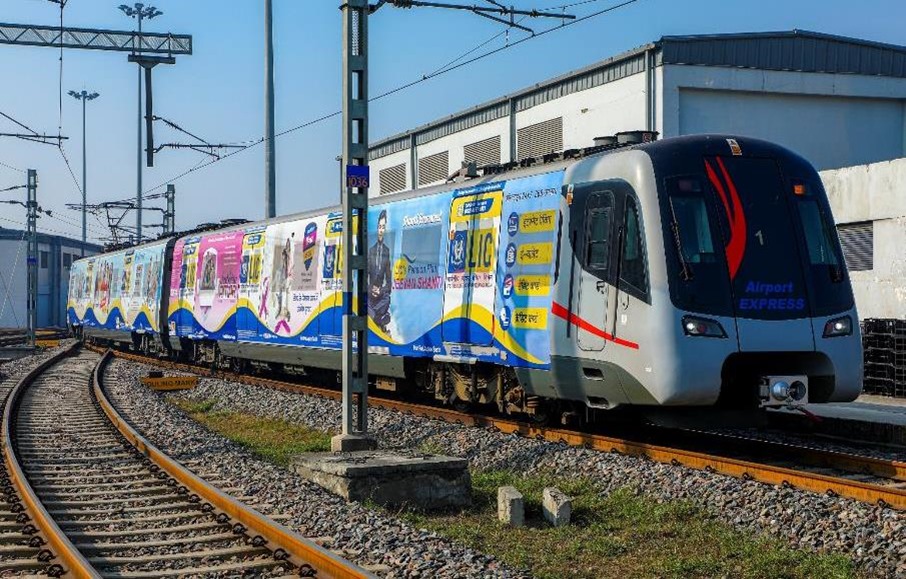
118	291
461	274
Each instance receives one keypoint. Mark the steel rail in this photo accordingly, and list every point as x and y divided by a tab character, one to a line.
301	551
858	464
73	562
777	475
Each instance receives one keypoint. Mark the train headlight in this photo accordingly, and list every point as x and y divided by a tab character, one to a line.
780	390
695	326
838	327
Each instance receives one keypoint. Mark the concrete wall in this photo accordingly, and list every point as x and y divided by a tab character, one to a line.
876	193
832	120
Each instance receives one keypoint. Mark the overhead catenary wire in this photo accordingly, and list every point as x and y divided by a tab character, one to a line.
46	230
11	168
19	123
400	88
55	215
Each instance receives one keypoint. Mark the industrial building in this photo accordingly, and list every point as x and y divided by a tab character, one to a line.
837	101
55	256
840	102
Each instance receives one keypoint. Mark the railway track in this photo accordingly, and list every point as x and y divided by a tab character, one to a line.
866	479
17	336
89	497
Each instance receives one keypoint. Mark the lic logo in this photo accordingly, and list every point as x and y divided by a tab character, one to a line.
458	252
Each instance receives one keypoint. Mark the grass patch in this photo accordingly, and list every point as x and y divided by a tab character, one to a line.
621	535
274	440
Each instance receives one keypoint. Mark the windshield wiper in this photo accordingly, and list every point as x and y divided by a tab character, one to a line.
685	270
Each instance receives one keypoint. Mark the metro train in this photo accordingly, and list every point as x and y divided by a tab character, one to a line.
693	271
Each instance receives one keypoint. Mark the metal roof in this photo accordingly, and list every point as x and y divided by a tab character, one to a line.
794	50
7	234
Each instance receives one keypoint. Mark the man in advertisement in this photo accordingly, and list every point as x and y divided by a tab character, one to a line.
379	277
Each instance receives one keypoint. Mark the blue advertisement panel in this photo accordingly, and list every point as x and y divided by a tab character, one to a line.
526	263
466	274
405	279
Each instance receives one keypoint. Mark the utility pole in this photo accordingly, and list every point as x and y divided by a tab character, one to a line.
354	196
270	160
139	12
32	256
170	213
84	96
355	235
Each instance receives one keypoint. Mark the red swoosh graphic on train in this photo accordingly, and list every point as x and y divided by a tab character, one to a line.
736	247
575	320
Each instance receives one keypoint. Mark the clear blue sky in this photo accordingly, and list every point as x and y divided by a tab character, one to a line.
217	92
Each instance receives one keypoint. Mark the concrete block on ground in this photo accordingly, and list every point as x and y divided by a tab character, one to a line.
352	442
510	506
557	507
397	478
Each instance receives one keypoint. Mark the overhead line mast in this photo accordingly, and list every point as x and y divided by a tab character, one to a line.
146	48
354	196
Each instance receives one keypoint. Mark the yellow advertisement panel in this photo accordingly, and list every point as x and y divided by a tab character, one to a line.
482	254
535	253
533	285
538	221
530	318
474	207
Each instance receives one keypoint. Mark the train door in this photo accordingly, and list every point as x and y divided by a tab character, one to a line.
471	281
629	312
595	257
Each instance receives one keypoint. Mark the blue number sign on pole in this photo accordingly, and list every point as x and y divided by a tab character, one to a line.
358	176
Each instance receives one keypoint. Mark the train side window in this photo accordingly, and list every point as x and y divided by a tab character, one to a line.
633	274
597	231
818	236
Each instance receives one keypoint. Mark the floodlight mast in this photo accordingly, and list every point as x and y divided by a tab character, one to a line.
139	11
84	96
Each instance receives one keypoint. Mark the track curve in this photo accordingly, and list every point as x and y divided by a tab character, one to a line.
109	504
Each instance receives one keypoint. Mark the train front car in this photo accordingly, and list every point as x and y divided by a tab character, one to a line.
762	310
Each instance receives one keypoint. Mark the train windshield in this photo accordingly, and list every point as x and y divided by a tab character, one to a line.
761	245
829	292
698	248
747	242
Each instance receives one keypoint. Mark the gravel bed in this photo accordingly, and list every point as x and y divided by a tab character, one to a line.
391	547
13	370
874	537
